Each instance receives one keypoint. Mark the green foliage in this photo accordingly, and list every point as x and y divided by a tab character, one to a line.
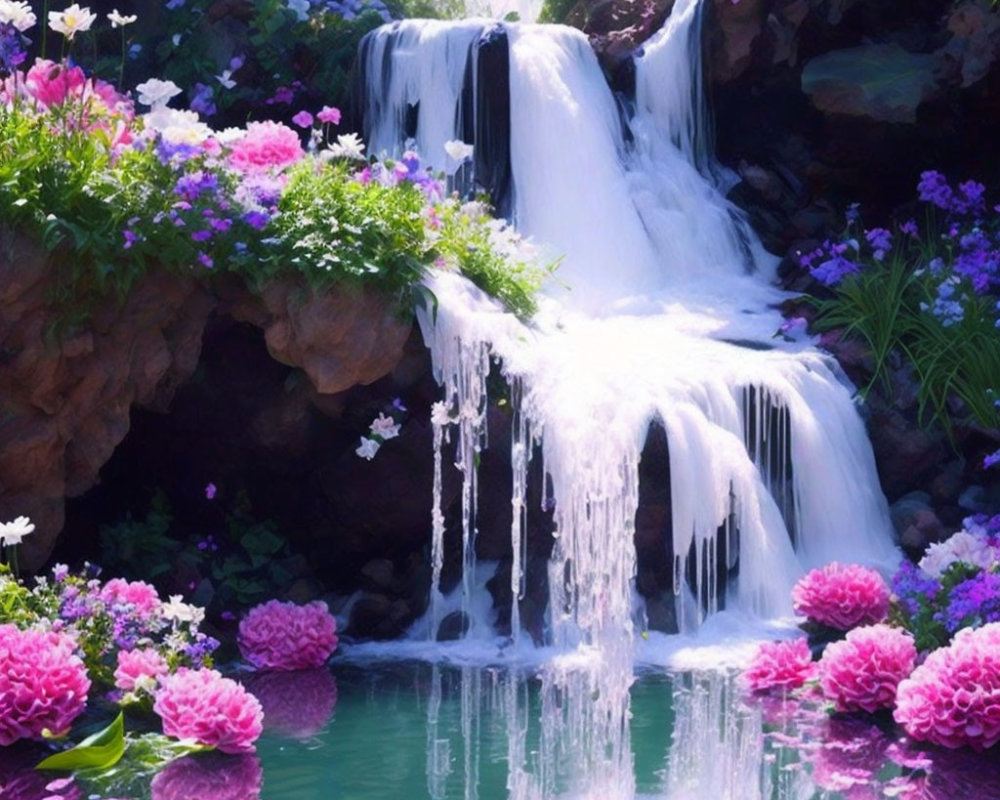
556	10
333	229
141	548
99	751
913	303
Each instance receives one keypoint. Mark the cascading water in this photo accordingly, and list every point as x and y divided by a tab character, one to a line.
663	314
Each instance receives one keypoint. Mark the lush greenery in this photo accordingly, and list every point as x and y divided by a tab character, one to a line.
112	193
927	294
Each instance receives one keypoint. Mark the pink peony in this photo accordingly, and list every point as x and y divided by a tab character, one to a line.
43	683
842	597
278	635
861	672
141	596
329	115
135	665
213	776
296	704
780	665
267	145
202	705
953	698
50	83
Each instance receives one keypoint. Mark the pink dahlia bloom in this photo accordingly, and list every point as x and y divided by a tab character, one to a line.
842	597
284	636
202	705
267	145
953	698
138	667
138	594
209	776
43	683
861	672
780	665
296	704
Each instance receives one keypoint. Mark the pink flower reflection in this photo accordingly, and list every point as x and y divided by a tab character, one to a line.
849	756
296	704
211	776
20	781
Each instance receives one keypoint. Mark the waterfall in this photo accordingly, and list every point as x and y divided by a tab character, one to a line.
663	314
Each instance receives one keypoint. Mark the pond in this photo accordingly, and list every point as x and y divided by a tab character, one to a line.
382	730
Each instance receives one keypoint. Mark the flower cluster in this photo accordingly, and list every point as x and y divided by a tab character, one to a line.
953	698
842	596
861	672
121	628
382	429
955	586
43	683
286	636
212	710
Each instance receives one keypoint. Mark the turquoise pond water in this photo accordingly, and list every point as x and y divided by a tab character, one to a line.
405	730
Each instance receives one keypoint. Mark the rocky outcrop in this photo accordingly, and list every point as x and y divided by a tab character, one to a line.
68	386
66	389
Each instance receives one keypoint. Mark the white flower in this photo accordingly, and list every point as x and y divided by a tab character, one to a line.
440	415
177	609
230	135
18	14
156	93
962	546
300	7
72	21
348	145
385	427
119	20
368	448
226	79
12	533
177	126
458	150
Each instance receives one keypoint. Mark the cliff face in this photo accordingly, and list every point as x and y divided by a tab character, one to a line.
67	389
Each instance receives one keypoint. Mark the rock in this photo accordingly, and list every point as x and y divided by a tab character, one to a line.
453	627
904	453
377	616
903	512
378	574
883	82
975	42
948	484
922	531
339	338
735	30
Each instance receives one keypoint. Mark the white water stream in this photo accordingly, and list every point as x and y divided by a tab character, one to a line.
663	313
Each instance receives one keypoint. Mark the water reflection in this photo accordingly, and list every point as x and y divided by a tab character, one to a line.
296	704
418	730
214	775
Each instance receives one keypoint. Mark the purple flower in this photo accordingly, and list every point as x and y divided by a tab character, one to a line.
329	115
201	100
206	260
256	219
991	460
972	603
910	229
880	240
12	48
281	95
193	185
834	270
934	189
201	236
912	587
303	119
210	491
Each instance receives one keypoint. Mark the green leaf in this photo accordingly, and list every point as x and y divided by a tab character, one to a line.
101	750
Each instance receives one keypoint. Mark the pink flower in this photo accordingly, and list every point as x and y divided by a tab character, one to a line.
850	756
329	115
953	698
842	597
303	119
267	145
43	683
202	705
209	776
136	665
138	594
276	635
297	704
861	672
780	665
50	83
